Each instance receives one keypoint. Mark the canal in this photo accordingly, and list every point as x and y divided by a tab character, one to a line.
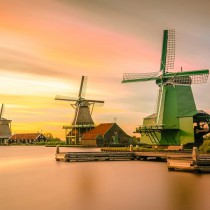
31	179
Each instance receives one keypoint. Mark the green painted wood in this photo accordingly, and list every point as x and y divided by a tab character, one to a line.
164	52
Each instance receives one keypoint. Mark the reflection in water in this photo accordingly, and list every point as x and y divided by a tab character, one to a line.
189	191
184	191
30	178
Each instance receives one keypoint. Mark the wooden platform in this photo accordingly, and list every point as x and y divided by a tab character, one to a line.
189	165
118	155
161	155
94	156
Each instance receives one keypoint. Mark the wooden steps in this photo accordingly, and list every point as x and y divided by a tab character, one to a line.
189	166
197	163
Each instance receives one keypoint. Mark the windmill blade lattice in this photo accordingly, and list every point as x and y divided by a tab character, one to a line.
140	77
187	77
83	85
168	51
2	110
170	57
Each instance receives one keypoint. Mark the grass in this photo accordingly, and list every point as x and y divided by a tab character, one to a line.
205	147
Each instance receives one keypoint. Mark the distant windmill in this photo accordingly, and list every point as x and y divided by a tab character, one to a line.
5	130
82	121
176	112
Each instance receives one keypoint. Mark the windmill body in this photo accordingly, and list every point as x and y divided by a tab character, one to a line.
82	114
174	120
5	127
82	121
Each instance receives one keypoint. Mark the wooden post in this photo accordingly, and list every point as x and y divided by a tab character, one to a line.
195	155
131	148
57	149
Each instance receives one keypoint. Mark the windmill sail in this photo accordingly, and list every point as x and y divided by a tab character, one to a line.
2	110
95	101
187	77
140	77
83	86
65	98
168	51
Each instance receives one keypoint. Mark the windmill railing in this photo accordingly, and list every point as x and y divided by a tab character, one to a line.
5	120
157	128
78	126
152	131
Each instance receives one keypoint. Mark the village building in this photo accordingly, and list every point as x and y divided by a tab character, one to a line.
105	134
27	138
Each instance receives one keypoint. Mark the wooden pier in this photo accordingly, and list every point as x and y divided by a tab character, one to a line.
176	161
93	156
119	155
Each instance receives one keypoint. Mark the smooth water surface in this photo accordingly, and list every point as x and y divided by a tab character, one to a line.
31	179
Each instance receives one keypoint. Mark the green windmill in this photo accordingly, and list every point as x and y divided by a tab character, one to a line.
176	121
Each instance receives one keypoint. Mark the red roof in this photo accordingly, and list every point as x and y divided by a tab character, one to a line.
101	130
25	136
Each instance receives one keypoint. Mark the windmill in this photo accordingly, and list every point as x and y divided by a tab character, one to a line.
82	121
173	122
5	128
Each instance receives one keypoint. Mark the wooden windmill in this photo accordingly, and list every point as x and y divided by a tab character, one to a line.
5	127
82	121
173	122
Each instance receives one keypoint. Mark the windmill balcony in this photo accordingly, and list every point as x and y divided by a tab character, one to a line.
78	126
157	128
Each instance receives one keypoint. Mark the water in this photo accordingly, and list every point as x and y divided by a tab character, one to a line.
31	179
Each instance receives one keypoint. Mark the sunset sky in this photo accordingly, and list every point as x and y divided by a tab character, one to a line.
46	46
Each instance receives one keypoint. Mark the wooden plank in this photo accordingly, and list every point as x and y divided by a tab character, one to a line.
98	156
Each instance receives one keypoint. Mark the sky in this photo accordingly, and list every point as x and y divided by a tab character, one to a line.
46	46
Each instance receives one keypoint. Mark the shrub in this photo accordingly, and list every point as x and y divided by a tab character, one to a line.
205	147
55	143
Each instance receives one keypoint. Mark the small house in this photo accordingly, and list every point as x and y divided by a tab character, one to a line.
27	138
105	134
